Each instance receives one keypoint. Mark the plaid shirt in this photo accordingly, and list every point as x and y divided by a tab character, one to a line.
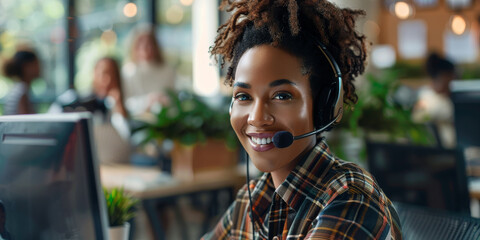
322	198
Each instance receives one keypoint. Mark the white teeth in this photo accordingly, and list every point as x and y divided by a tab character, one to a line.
261	141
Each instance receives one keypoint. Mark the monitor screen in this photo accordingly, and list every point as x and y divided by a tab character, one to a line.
49	181
424	176
466	100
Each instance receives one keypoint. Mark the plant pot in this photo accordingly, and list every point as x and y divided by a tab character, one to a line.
119	232
189	161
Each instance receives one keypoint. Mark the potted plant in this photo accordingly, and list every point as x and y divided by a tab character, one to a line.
379	116
121	208
202	135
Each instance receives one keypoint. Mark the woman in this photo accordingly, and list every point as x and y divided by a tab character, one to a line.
112	132
434	105
147	75
283	81
23	68
107	85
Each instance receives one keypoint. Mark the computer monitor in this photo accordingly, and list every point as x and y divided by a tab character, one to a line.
466	100
49	179
424	176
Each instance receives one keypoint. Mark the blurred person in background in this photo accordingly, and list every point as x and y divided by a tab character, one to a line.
106	103
22	68
146	76
107	86
434	105
112	135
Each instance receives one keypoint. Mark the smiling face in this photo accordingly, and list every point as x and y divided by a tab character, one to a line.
270	95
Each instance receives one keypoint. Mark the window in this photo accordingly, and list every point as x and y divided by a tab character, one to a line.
40	25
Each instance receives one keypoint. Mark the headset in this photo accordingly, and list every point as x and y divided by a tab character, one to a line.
329	99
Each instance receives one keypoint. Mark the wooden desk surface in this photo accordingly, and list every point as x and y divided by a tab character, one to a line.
474	188
150	182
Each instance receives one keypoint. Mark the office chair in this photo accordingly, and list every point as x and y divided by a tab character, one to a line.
425	223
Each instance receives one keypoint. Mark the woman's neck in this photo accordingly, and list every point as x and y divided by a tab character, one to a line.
280	175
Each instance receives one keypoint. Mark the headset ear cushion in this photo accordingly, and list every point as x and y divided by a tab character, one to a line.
325	105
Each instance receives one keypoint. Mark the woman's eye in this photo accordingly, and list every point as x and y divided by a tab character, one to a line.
283	96
242	97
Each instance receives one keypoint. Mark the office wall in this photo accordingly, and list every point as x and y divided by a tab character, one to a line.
436	19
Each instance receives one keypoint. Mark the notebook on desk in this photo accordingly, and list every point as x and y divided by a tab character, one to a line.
49	179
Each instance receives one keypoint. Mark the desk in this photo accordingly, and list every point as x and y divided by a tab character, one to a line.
474	188
153	187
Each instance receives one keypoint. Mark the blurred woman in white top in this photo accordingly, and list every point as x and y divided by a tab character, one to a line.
22	68
146	76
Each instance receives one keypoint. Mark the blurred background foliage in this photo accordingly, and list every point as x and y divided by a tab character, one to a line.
378	111
189	119
382	114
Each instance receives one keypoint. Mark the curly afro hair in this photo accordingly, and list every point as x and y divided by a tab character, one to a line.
294	26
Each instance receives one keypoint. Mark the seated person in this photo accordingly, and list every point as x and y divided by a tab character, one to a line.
23	68
434	105
146	75
284	81
110	118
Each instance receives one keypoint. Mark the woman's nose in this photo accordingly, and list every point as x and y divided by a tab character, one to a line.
260	115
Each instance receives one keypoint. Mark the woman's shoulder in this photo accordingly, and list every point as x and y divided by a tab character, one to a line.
18	90
349	178
348	172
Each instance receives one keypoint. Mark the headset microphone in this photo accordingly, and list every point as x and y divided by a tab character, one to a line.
284	139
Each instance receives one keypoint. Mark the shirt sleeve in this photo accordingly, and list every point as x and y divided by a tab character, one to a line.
222	229
351	216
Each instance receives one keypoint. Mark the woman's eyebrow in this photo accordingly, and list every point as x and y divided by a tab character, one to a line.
280	82
242	85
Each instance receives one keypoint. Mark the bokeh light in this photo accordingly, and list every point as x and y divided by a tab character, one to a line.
24	9
174	14
383	56
53	9
39	87
130	10
458	24
109	37
403	10
371	28
186	2
7	40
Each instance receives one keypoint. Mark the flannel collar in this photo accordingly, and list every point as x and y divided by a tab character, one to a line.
304	183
